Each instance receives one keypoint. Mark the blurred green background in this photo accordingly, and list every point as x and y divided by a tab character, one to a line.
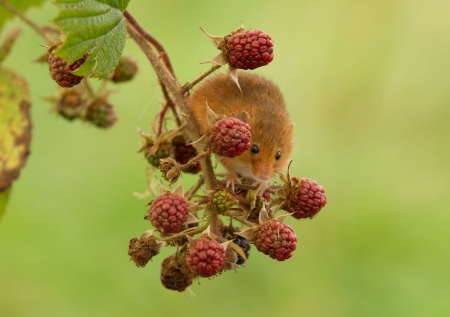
368	85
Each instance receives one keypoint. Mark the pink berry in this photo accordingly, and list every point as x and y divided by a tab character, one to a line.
168	212
276	239
308	200
205	257
230	137
249	49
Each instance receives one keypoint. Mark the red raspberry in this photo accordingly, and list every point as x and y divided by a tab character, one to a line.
172	278
308	200
183	153
230	137
275	239
249	49
205	257
168	212
61	72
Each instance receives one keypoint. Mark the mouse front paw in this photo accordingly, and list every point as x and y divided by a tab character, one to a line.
231	179
261	187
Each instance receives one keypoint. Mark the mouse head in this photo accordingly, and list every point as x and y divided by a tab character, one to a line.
268	155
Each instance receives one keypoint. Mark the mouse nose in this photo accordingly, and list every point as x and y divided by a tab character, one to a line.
263	172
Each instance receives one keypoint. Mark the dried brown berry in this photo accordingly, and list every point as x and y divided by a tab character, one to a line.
172	278
183	153
71	104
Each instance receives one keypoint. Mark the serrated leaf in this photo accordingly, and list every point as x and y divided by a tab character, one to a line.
96	28
21	5
15	126
3	201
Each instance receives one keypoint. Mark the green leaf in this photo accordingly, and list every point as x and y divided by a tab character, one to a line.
21	5
3	201
97	28
15	126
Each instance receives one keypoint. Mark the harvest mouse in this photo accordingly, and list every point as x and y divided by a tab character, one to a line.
271	128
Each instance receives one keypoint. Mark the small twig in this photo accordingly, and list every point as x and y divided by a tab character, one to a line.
188	86
245	222
89	89
171	104
182	235
160	119
25	19
195	188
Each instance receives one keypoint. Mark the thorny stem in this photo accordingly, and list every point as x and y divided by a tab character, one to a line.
245	222
24	18
182	235
188	86
160	116
173	88
162	54
150	38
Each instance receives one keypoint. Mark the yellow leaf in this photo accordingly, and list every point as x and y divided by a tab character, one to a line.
15	126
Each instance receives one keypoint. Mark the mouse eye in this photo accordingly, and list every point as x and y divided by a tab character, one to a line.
254	149
278	155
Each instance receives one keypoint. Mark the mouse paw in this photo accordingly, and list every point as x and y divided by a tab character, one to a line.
262	186
231	180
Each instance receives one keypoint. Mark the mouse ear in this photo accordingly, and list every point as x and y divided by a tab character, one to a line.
244	116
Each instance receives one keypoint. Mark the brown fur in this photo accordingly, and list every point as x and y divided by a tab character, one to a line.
271	127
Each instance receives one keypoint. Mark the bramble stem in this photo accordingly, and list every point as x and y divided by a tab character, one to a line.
162	54
25	19
182	235
150	38
245	222
173	88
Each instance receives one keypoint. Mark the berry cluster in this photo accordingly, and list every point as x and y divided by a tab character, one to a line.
79	102
201	223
